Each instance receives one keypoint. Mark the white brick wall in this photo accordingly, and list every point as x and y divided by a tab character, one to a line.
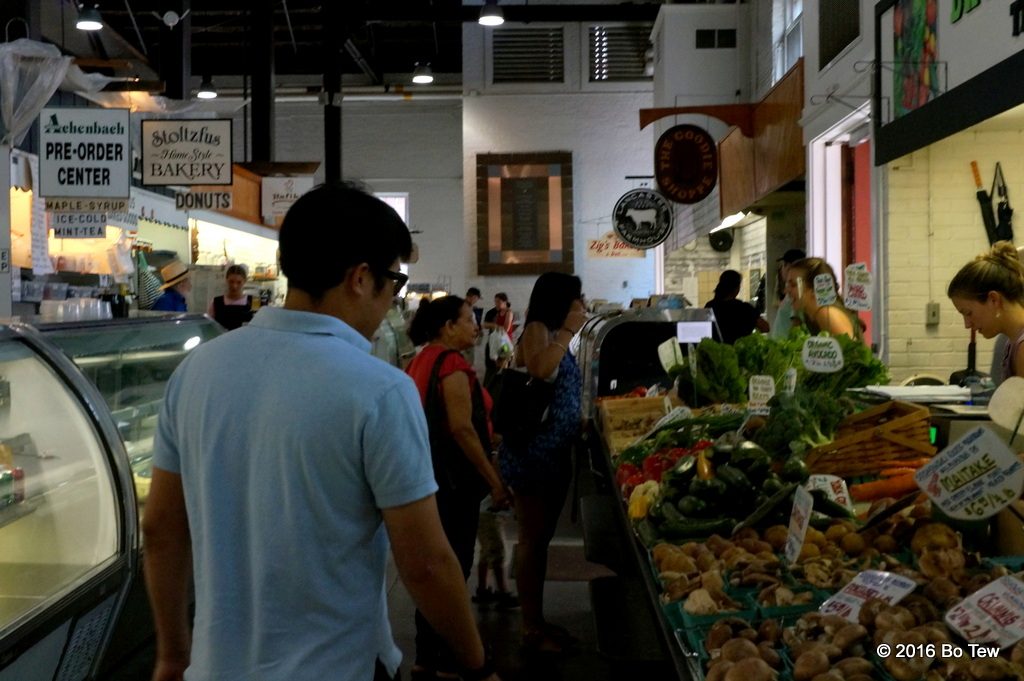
935	228
683	267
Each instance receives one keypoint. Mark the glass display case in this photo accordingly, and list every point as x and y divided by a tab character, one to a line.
130	361
68	533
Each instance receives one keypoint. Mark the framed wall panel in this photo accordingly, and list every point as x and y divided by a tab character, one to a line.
524	213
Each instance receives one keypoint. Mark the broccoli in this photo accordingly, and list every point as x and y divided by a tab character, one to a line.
801	421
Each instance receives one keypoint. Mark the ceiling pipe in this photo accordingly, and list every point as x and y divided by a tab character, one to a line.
263	80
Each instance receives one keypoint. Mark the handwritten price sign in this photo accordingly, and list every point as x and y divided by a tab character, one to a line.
887	586
799	519
825	290
993	614
858	285
974	478
822	355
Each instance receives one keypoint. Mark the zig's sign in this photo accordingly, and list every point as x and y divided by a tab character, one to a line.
186	152
84	153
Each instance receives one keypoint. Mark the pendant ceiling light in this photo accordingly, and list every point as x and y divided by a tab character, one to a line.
88	19
422	74
206	89
491	14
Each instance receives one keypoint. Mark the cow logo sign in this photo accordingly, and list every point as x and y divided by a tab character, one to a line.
642	218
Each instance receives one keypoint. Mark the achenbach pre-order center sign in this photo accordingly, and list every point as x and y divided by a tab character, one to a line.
84	153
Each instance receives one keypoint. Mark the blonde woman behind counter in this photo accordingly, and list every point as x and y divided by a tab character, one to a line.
836	318
989	293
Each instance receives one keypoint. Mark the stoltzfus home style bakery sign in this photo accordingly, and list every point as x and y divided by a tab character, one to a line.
186	152
84	153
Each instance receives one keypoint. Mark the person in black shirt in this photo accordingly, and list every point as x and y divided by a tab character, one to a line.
735	318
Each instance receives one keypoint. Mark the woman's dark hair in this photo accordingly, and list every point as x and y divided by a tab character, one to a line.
237	269
335	227
503	297
552	296
432	315
999	269
728	284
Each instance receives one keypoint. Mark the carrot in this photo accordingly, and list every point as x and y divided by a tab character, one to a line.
895	487
907	463
893	472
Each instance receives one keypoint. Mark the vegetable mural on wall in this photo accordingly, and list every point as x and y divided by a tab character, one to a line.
916	53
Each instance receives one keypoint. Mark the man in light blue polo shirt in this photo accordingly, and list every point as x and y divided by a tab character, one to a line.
286	457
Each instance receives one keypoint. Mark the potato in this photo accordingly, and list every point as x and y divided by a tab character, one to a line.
776	536
852	543
745	533
809	551
849	635
751	669
835	532
828	676
770	631
815	536
852	666
769	655
991	669
885	543
809	665
739	649
718	671
719	634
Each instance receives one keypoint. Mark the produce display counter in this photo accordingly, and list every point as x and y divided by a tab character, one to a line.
631	624
807	538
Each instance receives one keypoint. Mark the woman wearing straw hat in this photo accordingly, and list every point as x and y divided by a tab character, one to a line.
176	286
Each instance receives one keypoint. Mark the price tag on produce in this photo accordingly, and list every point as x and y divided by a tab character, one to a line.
822	355
825	290
760	391
799	519
974	478
691	356
858	285
834	488
887	586
993	614
789	381
670	354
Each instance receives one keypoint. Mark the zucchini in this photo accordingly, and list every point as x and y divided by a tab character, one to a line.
775	502
795	469
823	504
735	479
772	484
712	490
691	506
648	534
671	514
692	528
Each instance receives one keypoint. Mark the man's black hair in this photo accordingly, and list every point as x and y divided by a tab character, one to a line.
552	296
473	291
335	227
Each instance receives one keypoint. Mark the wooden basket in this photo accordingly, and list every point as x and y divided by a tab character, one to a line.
623	420
866	442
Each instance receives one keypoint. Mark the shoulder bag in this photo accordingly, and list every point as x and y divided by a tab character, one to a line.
521	404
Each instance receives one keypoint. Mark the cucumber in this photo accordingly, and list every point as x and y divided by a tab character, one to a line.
671	514
795	469
775	502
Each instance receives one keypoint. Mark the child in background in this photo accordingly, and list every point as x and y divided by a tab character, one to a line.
492	559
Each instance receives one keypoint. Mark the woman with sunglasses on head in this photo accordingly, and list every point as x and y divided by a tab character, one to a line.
835	318
539	470
458	417
989	293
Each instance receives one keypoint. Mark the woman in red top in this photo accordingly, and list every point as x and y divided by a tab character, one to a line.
458	416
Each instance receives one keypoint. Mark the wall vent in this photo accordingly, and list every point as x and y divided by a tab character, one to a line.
620	53
528	55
